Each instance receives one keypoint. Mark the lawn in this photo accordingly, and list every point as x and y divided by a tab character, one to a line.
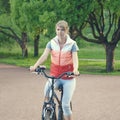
91	59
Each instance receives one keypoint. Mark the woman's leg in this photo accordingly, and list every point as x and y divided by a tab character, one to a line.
68	90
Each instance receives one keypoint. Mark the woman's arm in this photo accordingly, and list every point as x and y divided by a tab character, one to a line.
75	63
42	58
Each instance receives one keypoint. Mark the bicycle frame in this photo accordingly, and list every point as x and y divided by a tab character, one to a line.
49	107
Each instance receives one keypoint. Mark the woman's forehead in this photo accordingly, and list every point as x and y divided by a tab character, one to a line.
59	26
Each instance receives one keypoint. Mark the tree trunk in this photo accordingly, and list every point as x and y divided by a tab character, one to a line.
109	57
24	45
36	44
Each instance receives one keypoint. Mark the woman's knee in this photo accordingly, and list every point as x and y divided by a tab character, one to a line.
66	109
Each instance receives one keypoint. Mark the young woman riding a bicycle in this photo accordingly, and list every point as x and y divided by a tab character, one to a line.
64	58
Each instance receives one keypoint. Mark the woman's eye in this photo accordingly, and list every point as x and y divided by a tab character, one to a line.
60	29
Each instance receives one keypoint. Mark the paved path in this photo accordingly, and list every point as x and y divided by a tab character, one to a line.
21	94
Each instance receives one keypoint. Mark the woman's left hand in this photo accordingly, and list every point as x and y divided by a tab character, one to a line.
76	72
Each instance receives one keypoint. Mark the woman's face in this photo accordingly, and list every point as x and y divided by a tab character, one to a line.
61	32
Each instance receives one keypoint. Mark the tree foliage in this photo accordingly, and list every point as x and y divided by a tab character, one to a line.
96	21
5	6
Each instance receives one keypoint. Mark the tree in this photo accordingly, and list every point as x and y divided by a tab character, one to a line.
39	19
31	11
101	17
19	21
5	6
4	17
104	22
26	18
11	33
6	26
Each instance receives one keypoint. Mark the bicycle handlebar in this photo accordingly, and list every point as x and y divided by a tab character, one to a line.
42	70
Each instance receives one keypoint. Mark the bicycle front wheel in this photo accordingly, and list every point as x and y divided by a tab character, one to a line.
48	114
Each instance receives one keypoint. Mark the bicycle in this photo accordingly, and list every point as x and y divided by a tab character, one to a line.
49	107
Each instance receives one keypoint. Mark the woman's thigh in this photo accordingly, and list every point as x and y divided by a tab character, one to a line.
68	90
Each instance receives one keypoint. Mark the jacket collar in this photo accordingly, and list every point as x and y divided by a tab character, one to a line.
69	40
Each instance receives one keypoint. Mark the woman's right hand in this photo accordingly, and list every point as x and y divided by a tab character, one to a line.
32	68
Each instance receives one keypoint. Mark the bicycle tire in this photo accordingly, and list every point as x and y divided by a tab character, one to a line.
48	114
49	117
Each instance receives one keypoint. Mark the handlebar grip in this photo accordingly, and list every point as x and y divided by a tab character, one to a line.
40	69
71	73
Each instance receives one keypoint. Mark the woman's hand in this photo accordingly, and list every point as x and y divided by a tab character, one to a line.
32	68
76	72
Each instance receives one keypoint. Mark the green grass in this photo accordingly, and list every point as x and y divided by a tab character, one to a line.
91	59
95	66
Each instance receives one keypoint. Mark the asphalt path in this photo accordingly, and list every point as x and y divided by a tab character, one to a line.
97	97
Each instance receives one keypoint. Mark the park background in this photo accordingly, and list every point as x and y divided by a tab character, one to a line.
27	25
25	28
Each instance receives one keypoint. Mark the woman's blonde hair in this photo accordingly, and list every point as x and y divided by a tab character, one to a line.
63	24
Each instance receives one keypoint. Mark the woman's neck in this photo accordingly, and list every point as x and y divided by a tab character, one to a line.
62	40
